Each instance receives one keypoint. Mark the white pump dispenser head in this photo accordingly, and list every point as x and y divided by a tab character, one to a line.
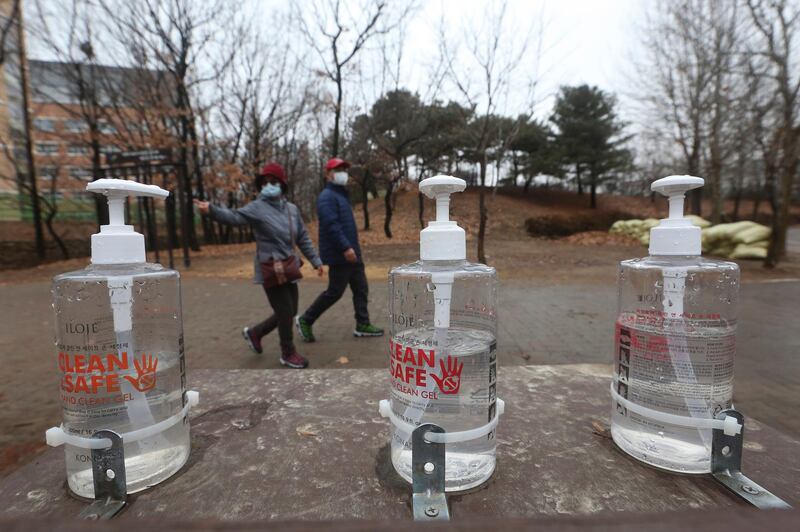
675	235
118	243
443	239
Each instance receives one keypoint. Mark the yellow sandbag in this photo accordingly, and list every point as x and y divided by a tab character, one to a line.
631	227
617	227
726	231
762	244
644	239
649	223
743	251
720	232
724	249
699	222
753	234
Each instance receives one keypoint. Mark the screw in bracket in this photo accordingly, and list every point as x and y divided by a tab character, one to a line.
750	489
431	511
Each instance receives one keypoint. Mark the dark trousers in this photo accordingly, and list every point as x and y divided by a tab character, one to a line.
339	276
283	300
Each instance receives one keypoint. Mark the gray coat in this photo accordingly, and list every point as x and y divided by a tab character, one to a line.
270	226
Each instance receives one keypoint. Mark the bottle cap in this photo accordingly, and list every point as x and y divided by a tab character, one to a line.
118	243
675	235
443	239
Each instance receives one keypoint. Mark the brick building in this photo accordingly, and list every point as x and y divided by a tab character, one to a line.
79	108
79	112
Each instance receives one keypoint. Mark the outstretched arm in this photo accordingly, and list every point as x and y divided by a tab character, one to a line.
221	214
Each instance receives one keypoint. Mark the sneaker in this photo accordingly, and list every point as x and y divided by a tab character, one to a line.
304	329
367	329
295	360
253	342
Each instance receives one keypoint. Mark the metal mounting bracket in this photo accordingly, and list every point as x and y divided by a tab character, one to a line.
726	467
108	472
427	474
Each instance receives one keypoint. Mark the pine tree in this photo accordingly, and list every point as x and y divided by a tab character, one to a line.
590	136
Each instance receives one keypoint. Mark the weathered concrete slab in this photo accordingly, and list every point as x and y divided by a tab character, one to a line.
310	445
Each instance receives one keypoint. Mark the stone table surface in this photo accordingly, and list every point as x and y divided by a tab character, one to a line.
310	445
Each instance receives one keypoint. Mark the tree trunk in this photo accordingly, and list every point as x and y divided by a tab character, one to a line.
172	230
31	164
198	177
693	168
527	185
421	199
52	210
185	212
185	189
578	179
337	114
387	202
756	205
715	175
593	189
782	201
484	216
365	198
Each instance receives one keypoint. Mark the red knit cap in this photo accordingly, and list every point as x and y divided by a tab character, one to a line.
275	170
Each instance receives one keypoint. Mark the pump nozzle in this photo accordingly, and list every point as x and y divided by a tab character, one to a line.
118	243
675	235
442	239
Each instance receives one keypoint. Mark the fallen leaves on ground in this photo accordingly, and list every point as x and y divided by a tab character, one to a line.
599	238
306	430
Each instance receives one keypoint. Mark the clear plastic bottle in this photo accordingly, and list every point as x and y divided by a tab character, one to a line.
442	349
675	342
119	339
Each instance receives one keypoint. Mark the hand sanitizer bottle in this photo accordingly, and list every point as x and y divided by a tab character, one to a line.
675	343
442	359
119	339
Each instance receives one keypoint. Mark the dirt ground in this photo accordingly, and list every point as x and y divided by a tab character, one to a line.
507	215
557	303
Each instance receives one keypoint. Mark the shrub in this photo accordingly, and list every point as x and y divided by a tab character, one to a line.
557	226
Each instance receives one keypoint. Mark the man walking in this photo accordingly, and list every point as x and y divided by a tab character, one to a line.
339	249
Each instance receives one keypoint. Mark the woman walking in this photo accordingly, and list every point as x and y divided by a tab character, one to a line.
277	226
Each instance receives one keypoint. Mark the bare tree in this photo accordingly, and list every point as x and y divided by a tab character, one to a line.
777	27
724	123
47	199
687	84
15	22
339	31
193	43
494	57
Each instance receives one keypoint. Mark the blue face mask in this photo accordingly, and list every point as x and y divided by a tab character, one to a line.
271	190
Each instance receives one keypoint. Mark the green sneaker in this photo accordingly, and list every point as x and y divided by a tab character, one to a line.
304	329
367	329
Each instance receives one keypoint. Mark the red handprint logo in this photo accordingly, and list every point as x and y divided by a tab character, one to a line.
146	373
450	381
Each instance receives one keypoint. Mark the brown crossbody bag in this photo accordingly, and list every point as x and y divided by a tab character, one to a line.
278	272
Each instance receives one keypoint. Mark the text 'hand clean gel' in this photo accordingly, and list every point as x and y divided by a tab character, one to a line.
442	358
119	339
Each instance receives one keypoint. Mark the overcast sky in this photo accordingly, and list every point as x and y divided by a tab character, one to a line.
582	41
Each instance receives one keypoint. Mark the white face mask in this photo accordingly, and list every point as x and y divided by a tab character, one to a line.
271	190
340	178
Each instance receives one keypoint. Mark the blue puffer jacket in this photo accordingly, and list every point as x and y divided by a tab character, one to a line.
337	225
